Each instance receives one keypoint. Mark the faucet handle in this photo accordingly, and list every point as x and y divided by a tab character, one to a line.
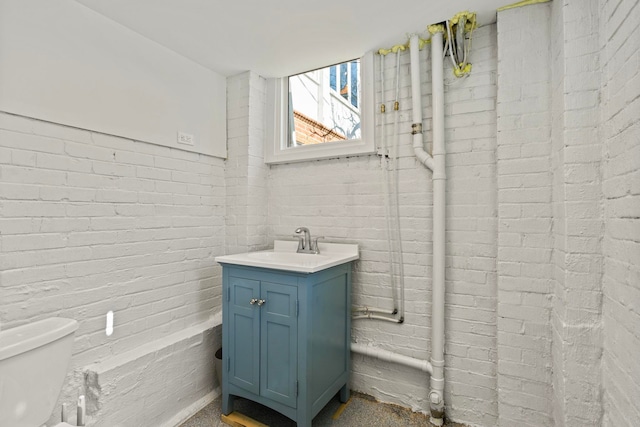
314	244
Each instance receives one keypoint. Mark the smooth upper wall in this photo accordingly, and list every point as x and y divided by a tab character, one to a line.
64	63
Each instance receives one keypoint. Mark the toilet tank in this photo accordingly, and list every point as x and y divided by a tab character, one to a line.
33	364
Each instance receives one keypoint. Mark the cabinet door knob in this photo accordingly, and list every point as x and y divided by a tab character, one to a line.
261	301
253	301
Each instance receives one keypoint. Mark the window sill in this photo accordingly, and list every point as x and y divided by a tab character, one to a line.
325	150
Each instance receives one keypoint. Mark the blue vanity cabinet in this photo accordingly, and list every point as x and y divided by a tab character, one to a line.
286	338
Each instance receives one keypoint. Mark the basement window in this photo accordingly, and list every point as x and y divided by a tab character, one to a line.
322	113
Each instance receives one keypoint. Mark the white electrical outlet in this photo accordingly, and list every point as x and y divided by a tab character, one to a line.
185	138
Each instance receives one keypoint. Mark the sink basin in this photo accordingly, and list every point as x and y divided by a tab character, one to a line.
284	257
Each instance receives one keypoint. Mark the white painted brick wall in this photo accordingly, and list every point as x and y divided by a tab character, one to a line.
524	247
245	172
130	389
620	115
342	200
576	321
91	223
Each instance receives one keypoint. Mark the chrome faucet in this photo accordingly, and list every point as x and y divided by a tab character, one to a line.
305	244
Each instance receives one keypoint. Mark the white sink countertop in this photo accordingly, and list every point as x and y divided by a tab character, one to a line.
284	257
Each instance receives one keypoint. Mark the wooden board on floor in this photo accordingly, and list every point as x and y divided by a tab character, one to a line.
236	419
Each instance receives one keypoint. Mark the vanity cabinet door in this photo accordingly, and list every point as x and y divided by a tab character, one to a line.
288	336
279	342
244	333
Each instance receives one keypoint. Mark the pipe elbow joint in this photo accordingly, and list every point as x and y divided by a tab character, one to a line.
423	157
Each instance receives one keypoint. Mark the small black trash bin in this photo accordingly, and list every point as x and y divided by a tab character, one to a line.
217	363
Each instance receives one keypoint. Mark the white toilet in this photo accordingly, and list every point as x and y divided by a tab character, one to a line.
34	359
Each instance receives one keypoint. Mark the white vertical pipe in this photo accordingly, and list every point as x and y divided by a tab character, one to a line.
436	396
416	101
437	164
384	153
396	193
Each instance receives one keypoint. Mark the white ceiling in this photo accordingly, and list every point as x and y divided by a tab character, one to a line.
282	37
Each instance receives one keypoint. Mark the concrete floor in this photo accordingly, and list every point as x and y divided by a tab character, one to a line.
360	411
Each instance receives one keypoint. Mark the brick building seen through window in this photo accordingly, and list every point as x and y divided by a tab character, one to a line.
325	105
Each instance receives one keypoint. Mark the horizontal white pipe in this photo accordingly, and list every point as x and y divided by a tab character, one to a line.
377	317
388	356
365	310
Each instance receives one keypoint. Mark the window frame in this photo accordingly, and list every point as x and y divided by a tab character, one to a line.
276	150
